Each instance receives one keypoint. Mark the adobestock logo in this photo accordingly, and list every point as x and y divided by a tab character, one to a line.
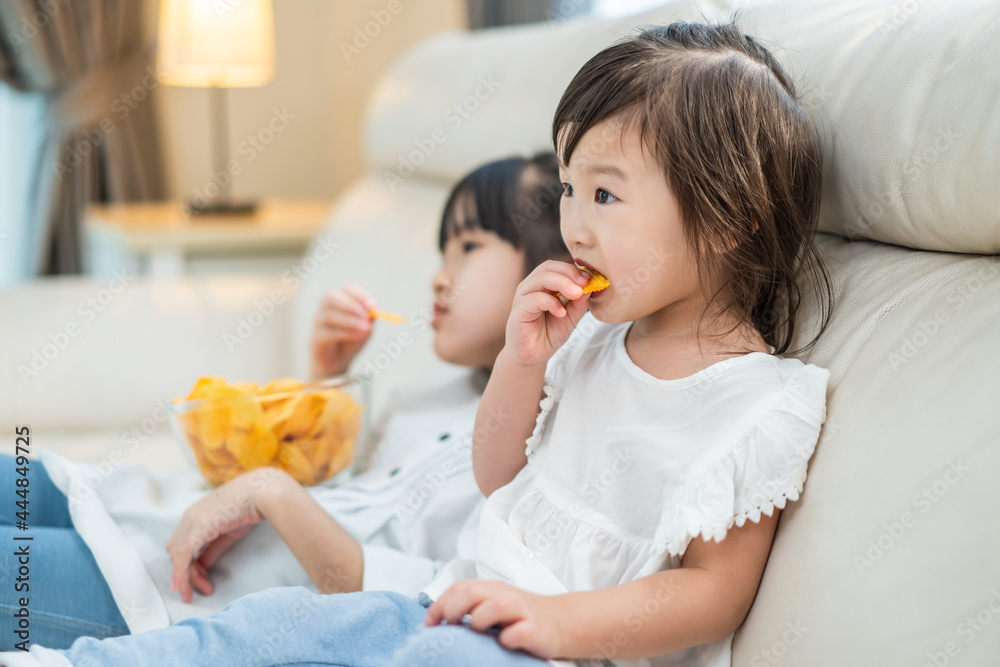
363	35
454	117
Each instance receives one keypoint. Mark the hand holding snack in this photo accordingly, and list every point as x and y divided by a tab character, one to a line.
342	327
596	283
539	323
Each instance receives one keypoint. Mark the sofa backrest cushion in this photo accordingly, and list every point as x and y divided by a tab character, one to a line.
904	96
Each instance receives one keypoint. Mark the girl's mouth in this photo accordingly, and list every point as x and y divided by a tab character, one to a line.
598	281
439	312
585	265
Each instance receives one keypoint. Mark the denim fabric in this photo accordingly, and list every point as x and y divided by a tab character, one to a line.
278	626
67	595
458	646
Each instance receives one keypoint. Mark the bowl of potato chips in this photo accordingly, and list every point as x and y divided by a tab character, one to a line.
308	429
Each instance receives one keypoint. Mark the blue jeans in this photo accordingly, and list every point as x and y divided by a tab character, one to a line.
67	595
456	646
294	626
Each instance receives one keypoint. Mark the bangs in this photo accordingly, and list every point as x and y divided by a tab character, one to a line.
485	199
610	86
460	215
635	117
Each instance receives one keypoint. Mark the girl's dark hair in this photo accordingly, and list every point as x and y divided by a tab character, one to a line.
739	153
515	198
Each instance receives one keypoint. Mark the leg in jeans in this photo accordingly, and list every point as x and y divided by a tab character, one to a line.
67	595
47	505
457	646
278	626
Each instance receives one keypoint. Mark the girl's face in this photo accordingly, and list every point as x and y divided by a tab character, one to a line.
473	291
619	217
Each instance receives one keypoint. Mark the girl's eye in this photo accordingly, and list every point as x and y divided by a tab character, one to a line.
602	196
567	189
469	246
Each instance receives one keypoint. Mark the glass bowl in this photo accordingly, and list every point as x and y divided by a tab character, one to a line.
311	430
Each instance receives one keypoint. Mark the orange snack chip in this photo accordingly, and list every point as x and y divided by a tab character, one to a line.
385	315
307	431
596	283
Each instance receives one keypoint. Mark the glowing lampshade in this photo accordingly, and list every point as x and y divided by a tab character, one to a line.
215	43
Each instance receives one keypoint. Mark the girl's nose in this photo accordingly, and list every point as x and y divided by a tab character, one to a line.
440	282
576	232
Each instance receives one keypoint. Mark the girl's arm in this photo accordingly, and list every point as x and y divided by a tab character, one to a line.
702	601
327	552
538	325
504	421
330	555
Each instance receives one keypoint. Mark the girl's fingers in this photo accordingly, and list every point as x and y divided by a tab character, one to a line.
178	575
566	268
212	552
537	303
435	611
340	325
181	558
199	577
361	296
344	305
184	587
492	612
551	281
451	606
516	635
577	307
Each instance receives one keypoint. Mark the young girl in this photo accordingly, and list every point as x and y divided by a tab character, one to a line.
392	525
692	181
609	441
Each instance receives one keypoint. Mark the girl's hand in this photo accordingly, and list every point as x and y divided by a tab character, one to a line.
215	523
539	323
342	327
530	622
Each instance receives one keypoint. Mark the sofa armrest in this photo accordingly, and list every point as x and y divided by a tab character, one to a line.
82	352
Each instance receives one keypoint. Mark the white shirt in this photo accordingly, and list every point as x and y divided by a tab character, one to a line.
625	469
413	509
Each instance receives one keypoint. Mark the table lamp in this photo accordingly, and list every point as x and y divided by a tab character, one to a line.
216	45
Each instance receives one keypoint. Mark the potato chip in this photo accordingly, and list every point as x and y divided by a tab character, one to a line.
595	283
308	432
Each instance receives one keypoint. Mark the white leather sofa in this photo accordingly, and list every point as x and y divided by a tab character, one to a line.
892	555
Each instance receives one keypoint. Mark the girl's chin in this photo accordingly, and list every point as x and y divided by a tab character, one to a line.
447	351
606	311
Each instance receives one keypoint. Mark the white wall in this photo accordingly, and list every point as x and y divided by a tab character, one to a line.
318	154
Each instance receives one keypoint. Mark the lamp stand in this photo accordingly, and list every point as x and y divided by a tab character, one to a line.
221	204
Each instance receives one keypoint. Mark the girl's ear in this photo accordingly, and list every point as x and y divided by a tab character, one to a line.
728	242
723	244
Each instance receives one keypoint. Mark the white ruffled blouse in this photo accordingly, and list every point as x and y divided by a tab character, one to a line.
625	469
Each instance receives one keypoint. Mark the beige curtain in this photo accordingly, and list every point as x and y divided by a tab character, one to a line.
89	59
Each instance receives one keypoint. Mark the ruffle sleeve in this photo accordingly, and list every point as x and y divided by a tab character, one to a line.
557	371
764	469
